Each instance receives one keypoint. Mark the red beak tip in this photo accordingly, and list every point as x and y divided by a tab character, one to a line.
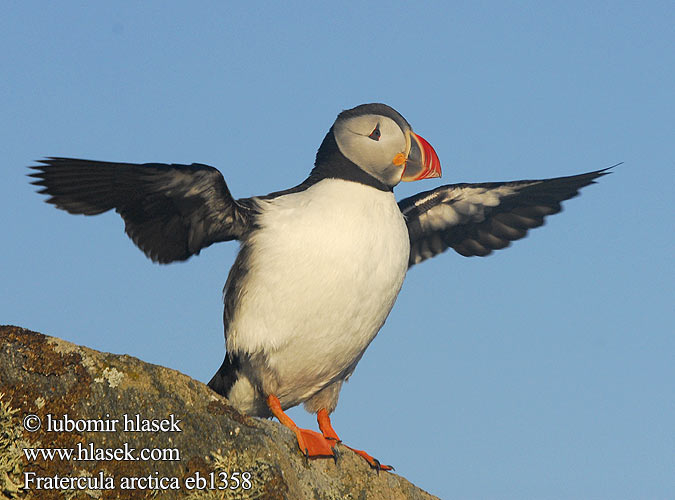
430	165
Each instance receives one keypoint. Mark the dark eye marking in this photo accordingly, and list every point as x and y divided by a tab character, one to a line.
375	134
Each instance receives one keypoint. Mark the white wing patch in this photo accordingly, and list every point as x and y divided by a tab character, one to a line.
463	205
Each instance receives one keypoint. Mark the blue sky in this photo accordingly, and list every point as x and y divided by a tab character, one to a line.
544	371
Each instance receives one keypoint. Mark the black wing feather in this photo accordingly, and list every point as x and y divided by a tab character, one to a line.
170	211
475	219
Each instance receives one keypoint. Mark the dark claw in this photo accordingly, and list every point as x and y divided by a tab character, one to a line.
378	466
336	454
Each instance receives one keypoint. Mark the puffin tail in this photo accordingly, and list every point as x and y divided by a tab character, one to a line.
226	376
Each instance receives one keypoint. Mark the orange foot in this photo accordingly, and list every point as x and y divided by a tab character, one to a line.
330	434
311	443
373	462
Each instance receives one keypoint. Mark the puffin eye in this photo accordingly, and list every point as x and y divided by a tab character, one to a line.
375	134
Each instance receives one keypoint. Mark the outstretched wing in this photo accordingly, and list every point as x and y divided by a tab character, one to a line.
475	219
170	212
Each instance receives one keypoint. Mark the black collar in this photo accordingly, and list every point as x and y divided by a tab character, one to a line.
332	164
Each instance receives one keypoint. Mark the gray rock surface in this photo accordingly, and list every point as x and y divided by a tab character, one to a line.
48	378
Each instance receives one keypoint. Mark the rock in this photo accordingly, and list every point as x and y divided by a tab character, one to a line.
112	408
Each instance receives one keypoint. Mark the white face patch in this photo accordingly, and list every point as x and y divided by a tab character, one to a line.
372	142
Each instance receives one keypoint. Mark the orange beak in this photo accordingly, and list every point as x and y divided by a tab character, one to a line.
422	161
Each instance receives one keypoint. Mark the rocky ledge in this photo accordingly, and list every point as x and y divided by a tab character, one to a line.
78	423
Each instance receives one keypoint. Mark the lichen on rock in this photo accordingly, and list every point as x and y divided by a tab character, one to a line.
11	444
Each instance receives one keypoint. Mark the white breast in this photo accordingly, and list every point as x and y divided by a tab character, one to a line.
325	269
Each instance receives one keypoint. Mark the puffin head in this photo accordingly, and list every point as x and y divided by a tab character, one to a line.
380	142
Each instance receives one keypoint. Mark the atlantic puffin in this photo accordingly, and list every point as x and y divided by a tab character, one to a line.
320	264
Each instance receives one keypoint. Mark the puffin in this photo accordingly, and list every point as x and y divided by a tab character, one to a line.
320	264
